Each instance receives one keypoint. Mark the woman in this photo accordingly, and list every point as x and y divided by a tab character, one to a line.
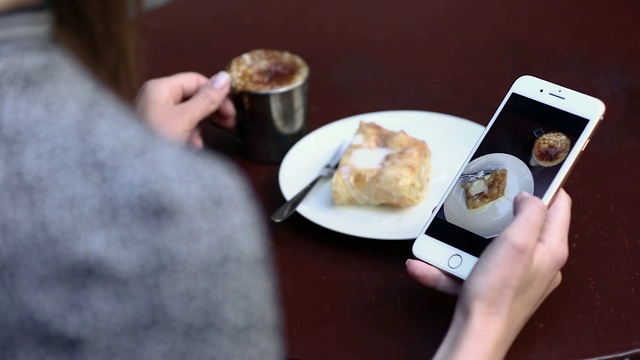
118	244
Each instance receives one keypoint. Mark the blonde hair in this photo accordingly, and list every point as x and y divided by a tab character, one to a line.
101	33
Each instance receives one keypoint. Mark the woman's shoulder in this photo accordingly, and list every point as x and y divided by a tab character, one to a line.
60	118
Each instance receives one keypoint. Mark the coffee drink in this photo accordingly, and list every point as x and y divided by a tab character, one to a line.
269	92
265	70
550	149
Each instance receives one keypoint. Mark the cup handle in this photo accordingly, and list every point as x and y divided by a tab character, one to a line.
538	132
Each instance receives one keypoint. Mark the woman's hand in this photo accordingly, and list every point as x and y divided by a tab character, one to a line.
174	106
516	272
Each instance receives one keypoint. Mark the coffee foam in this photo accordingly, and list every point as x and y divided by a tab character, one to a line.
551	148
264	70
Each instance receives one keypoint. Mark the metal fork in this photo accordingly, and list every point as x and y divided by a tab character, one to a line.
476	175
290	206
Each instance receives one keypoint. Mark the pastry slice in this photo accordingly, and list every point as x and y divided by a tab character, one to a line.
382	167
489	188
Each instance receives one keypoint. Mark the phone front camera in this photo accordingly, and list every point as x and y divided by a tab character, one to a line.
540	90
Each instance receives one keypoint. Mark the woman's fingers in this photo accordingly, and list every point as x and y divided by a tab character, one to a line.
175	105
430	276
206	100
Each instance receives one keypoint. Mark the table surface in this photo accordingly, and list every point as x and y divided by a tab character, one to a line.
350	298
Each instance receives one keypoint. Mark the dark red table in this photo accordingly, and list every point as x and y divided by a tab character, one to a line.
350	298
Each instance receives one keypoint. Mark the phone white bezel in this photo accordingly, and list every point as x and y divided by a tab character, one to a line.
438	253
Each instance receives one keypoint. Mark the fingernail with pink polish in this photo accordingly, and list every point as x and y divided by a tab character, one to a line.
220	80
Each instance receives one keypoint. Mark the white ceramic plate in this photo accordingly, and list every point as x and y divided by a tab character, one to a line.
449	138
489	220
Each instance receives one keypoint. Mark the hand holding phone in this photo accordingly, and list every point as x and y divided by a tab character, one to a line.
515	274
530	145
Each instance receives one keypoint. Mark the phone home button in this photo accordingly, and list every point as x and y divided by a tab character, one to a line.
455	261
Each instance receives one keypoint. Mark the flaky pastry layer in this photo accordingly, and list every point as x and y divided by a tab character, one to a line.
382	167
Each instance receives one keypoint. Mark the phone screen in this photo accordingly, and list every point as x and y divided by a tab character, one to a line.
523	151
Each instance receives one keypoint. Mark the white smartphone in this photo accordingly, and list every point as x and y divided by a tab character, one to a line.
530	144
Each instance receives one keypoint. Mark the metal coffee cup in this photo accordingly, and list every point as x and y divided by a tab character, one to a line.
270	97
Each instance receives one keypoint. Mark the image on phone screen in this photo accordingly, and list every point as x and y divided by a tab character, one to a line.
522	151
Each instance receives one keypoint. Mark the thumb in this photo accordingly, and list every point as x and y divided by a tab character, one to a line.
207	99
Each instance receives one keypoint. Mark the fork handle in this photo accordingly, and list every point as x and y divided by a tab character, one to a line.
290	206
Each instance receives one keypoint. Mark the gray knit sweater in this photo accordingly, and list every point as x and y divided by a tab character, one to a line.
116	244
